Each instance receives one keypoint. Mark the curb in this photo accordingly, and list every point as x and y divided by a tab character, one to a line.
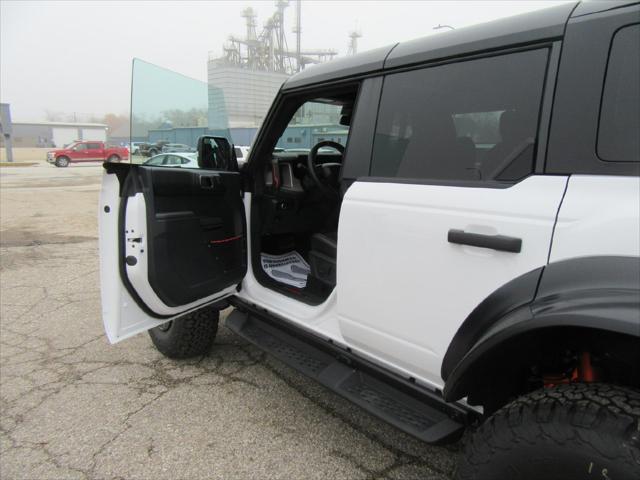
18	164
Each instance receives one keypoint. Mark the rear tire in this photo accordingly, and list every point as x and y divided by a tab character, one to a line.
113	158
575	431
189	336
62	162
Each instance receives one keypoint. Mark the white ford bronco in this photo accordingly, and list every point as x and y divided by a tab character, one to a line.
454	245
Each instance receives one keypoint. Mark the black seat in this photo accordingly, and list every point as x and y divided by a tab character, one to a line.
322	257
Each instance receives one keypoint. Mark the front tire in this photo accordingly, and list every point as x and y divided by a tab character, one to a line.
575	431
189	336
62	162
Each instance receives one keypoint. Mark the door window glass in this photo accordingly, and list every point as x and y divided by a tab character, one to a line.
170	109
81	147
156	161
619	132
94	146
472	120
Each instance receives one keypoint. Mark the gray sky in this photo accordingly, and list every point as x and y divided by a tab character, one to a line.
76	56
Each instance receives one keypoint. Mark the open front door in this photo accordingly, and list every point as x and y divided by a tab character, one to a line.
172	227
171	240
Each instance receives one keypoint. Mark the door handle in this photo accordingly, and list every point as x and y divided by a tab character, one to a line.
207	182
501	243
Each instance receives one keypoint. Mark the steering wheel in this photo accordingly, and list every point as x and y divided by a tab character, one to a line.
323	173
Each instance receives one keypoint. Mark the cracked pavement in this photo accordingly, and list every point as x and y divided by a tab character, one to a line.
73	406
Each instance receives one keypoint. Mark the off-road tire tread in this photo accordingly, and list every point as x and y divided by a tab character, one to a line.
189	336
544	415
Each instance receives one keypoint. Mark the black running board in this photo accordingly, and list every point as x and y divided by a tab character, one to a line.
416	416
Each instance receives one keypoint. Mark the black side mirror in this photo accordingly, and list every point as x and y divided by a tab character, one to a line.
216	153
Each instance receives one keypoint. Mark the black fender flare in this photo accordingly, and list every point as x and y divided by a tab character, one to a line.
599	292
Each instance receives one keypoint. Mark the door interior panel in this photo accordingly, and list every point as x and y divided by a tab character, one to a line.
196	234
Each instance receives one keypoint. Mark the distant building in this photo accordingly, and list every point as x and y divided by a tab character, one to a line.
55	134
239	97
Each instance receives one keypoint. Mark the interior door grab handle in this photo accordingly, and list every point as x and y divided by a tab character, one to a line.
501	243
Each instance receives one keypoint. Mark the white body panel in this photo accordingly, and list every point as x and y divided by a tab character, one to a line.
599	216
403	290
121	315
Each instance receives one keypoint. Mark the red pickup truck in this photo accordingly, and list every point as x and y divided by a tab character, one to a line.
86	152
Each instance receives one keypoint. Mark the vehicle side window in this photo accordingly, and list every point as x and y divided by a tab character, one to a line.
94	146
156	161
472	120
619	129
80	147
173	160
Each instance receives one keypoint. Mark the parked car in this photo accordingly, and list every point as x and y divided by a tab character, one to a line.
177	147
468	262
134	147
186	160
150	149
86	151
242	153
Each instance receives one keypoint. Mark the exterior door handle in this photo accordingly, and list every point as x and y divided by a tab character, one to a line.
501	243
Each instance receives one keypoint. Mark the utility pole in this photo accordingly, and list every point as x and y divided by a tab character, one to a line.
298	31
6	129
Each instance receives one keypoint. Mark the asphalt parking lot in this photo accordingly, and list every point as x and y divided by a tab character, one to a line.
73	406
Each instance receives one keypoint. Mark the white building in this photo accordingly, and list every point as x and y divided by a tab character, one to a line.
55	134
240	97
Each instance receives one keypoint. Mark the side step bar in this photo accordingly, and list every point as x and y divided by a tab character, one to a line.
418	417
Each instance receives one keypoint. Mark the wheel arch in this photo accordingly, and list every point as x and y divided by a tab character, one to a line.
583	302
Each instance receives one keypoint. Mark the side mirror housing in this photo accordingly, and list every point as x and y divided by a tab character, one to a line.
216	153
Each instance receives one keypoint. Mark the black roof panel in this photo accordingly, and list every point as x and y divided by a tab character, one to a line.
364	62
587	8
520	29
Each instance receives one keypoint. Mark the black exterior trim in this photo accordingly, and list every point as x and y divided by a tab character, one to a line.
517	31
443	183
500	243
511	296
576	109
589	8
599	293
457	412
357	157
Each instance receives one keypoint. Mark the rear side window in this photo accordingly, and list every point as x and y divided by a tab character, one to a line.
619	132
472	120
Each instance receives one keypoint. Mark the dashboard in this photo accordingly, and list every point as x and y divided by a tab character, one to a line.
288	173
